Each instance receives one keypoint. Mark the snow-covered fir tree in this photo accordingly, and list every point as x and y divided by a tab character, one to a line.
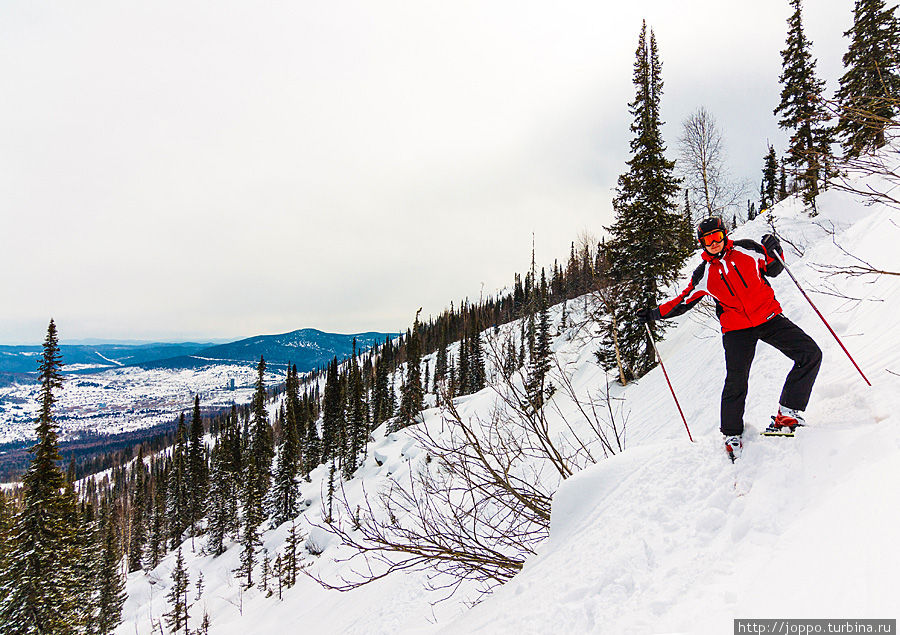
867	96
647	241
802	109
36	585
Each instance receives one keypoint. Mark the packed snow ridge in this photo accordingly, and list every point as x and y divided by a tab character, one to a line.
666	536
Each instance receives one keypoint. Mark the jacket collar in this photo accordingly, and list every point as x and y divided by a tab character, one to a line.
709	258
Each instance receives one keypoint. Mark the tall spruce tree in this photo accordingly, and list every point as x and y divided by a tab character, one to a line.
539	365
312	445
36	589
768	187
138	534
110	589
382	408
283	503
332	412
262	443
6	524
647	243
179	606
156	539
177	493
358	417
198	470
251	518
802	110
413	398
477	374
867	96
224	485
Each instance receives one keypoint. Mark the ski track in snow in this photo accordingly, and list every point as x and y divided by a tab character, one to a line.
667	536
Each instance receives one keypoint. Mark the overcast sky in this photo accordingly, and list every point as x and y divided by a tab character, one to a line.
184	169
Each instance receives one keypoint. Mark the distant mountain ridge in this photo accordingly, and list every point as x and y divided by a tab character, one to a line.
25	359
307	348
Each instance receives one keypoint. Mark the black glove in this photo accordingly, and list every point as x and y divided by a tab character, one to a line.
772	244
647	316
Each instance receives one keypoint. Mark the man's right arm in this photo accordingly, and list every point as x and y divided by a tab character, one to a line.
685	301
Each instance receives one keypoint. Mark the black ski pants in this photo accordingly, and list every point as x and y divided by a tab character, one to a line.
740	347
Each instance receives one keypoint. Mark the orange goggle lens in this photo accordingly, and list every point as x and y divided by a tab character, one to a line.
713	237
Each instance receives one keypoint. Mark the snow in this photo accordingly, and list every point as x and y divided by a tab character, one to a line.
126	399
667	536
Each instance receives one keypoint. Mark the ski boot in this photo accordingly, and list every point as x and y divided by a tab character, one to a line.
785	422
733	446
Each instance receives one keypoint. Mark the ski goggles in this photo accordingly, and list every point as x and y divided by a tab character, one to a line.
713	237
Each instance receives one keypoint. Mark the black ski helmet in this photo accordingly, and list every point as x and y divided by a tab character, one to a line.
709	225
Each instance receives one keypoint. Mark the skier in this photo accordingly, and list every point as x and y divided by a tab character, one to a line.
732	273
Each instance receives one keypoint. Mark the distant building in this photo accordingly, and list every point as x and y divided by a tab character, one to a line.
231	384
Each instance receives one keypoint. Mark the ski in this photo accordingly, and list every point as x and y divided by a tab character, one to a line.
777	433
775	430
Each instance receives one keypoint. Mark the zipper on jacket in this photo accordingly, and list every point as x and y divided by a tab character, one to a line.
727	286
738	271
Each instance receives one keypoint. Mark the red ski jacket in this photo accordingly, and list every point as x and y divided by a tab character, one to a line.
735	281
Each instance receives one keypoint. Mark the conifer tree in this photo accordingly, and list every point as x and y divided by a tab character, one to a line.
35	592
279	572
265	572
768	187
177	503
869	87
85	566
332	412
477	375
332	470
283	501
110	581
179	607
465	367
224	485
312	448
539	365
782	182
6	523
647	245
358	411
251	518
440	363
138	524
290	564
262	444
381	401
283	504
413	398
802	109
198	470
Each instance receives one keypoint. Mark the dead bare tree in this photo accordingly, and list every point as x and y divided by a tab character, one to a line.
858	269
703	168
480	503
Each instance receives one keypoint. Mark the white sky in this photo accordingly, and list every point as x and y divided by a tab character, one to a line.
185	169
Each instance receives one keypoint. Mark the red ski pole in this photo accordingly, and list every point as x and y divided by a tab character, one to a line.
822	317
672	390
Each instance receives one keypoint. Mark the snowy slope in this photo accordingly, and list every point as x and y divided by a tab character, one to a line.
667	536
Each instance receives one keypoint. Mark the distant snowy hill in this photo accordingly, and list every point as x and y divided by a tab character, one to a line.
120	388
94	357
666	536
307	348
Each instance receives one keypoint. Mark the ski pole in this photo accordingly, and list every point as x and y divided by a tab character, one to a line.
672	390
822	317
